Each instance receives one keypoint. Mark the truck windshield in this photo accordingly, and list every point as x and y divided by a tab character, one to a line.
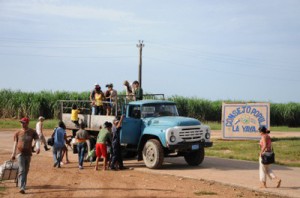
157	110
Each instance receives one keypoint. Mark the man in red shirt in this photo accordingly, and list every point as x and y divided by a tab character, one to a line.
22	150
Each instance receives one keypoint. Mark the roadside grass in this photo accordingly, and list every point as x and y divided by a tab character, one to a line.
286	150
14	123
218	126
202	193
2	189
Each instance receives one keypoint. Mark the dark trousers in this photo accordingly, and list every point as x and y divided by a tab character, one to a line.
116	157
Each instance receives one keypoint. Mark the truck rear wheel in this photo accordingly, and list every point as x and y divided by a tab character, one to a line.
194	158
153	154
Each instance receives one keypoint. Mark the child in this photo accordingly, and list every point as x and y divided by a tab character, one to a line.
74	115
101	149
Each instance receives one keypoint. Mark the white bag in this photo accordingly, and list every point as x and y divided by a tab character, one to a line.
9	170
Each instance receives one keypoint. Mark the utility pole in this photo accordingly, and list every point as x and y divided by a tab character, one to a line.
140	45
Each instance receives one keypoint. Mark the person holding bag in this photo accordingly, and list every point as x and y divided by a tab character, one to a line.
264	169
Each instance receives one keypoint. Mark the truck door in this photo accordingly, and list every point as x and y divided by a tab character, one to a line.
131	126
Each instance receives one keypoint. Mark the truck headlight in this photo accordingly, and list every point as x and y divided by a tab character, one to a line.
207	135
172	138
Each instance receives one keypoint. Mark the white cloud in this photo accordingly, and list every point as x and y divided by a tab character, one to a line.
56	8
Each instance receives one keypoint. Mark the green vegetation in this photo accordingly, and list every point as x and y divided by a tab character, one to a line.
16	104
2	189
286	150
14	123
201	193
205	110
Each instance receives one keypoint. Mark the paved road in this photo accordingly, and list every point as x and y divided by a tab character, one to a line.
232	172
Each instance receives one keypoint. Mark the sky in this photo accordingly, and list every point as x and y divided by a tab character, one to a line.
215	50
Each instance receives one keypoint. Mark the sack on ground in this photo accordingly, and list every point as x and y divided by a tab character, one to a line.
268	158
9	170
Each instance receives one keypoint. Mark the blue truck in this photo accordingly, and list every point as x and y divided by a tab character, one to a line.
153	130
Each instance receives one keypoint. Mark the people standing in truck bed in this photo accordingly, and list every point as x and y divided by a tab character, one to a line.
113	95
96	98
104	136
129	91
107	103
138	91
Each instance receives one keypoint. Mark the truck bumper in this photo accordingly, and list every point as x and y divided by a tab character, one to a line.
188	146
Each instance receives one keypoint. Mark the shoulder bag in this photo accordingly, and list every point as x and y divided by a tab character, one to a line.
268	157
50	140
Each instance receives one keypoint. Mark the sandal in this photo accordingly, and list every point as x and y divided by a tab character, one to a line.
278	183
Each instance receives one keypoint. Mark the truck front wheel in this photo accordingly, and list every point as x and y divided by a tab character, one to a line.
194	158
153	154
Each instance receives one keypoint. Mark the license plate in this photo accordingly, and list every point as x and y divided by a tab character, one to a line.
195	147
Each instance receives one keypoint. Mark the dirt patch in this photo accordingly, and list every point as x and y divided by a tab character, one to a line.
69	181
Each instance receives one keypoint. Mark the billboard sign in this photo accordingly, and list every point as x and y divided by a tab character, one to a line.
242	120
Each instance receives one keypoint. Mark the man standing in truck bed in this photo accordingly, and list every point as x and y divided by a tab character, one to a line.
138	91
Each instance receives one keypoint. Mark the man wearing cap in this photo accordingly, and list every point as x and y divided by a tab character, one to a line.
39	130
22	151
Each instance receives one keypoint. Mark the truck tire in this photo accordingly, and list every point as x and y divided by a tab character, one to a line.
153	154
194	158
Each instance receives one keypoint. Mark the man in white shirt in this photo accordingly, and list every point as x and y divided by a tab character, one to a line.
39	130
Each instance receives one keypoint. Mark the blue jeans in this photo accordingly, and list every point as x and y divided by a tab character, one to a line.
57	155
24	163
81	148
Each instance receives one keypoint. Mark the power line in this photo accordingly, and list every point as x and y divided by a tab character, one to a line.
227	72
59	56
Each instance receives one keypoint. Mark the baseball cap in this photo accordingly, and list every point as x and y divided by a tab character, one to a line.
41	118
24	120
96	84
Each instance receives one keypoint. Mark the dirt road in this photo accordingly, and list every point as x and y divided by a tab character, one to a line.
214	178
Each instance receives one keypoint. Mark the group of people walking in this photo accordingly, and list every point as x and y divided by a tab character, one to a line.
109	135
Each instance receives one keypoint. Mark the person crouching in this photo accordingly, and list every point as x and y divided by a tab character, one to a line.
101	149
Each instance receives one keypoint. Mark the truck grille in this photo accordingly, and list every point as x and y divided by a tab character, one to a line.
191	134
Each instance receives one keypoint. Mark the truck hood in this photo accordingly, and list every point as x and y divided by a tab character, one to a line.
171	121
